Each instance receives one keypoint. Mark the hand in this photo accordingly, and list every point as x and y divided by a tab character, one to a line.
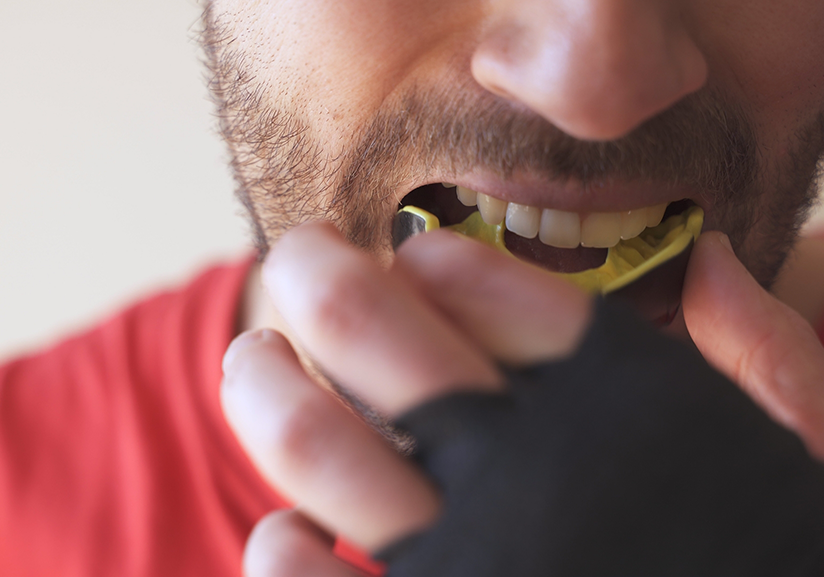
757	341
442	317
439	321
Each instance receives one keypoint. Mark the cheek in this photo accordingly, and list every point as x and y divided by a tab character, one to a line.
335	61
769	55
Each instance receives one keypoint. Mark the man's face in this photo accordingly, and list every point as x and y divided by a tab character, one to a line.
339	109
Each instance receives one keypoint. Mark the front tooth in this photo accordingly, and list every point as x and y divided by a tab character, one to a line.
523	220
601	229
493	210
560	228
448	185
655	214
466	196
633	222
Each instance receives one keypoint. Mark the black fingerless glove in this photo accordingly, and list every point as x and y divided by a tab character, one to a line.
631	458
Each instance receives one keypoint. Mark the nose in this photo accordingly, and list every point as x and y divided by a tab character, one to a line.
596	69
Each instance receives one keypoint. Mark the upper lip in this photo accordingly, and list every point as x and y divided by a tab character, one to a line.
603	195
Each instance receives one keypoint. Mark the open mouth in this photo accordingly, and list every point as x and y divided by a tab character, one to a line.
638	255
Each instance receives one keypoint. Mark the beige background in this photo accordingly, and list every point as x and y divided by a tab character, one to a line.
112	180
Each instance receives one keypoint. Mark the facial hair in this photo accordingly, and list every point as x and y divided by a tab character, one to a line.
705	142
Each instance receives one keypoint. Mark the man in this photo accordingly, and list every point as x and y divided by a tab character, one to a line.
337	111
648	102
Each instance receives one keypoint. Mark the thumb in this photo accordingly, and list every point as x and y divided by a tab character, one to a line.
760	343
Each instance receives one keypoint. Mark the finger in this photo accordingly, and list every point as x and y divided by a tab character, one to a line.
369	331
315	451
757	341
286	544
516	312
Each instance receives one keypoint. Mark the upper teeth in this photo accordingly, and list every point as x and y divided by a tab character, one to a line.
561	228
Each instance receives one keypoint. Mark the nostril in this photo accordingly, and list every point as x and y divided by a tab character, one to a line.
595	69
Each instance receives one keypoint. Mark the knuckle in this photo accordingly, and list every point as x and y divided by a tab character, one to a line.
770	357
339	308
757	358
301	438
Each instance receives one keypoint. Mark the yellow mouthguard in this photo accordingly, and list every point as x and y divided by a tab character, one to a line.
626	262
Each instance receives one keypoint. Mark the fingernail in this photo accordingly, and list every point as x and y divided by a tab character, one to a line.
725	241
244	341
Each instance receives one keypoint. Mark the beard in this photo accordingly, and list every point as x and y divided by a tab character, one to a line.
706	142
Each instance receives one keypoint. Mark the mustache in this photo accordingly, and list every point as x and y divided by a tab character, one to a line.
703	142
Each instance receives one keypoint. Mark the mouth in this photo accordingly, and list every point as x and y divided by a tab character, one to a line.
638	255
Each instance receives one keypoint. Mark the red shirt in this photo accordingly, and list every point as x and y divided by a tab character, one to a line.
115	459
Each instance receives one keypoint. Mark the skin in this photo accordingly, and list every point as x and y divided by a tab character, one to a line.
400	329
306	119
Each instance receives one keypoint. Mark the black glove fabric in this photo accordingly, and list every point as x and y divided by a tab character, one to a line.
633	457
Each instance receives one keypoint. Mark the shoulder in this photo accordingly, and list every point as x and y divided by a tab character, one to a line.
182	330
118	432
